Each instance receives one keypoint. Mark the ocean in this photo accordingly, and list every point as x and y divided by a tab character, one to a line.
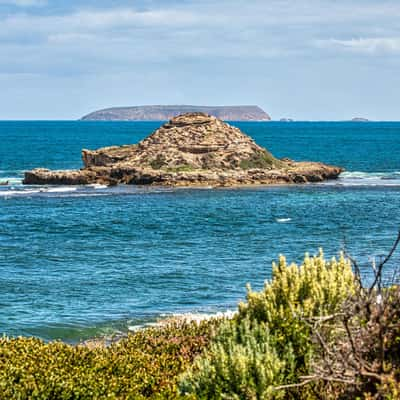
77	262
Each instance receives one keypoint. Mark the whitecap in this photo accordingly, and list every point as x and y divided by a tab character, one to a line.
283	220
370	175
17	192
97	186
361	178
23	191
61	189
188	317
197	316
138	327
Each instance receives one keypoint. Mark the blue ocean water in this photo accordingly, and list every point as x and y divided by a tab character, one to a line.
81	261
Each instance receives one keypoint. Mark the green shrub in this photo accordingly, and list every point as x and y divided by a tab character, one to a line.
269	342
295	293
241	363
263	160
145	365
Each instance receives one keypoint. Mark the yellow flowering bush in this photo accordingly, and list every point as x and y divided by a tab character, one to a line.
144	365
268	344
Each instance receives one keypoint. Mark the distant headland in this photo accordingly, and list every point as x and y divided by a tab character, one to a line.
165	113
193	149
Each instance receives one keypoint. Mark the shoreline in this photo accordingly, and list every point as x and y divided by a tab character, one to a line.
162	322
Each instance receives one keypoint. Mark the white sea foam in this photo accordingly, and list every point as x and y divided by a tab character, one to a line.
360	178
202	315
97	186
197	317
283	220
17	192
183	317
61	189
135	328
370	175
10	191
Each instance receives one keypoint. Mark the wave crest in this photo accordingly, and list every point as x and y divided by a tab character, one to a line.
360	178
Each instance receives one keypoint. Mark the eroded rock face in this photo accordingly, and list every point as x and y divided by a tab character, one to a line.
190	141
191	149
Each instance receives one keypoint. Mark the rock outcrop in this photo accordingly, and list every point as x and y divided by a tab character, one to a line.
190	150
164	113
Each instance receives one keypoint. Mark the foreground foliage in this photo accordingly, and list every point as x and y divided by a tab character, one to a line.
144	365
269	343
363	359
313	332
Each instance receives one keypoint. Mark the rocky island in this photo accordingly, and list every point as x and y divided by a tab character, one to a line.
164	113
193	149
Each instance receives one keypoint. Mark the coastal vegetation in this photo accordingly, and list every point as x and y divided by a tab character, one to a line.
314	331
269	342
263	159
144	365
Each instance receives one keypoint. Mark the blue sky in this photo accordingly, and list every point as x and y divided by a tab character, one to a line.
309	60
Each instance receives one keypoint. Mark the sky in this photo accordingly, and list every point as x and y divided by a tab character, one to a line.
307	60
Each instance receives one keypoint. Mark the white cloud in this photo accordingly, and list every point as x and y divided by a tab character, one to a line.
133	34
192	31
236	17
143	51
385	45
112	22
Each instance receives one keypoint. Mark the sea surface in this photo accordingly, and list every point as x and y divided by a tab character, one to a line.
81	261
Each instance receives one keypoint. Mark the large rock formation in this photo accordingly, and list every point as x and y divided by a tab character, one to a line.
191	149
164	113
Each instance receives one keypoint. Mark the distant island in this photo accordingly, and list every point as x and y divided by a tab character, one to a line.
193	149
165	113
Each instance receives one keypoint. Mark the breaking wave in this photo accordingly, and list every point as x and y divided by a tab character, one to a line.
94	190
283	220
196	317
359	178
